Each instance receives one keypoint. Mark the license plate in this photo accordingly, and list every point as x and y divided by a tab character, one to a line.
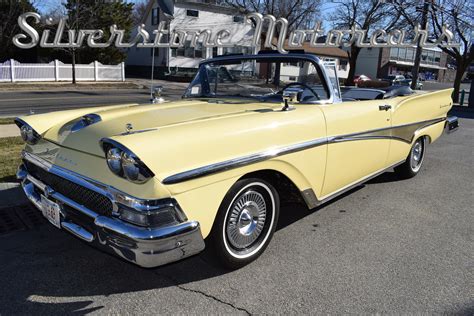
52	211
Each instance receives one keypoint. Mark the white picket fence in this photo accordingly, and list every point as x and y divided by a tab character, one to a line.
14	71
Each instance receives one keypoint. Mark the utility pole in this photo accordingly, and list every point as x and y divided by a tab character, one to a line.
74	49
424	24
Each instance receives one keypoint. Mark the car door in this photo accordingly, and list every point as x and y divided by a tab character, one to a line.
358	142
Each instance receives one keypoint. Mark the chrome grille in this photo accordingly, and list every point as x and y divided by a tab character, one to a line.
88	198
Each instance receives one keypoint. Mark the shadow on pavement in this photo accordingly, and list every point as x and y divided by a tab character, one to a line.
46	271
465	114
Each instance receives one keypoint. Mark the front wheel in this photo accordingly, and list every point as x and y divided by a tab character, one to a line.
245	222
414	161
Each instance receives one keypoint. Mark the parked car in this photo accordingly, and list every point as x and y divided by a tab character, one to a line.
360	78
407	82
394	79
150	182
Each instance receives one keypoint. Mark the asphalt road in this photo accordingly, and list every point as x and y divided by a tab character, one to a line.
434	85
14	103
389	246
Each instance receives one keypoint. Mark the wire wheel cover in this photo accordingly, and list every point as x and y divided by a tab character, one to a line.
246	220
417	155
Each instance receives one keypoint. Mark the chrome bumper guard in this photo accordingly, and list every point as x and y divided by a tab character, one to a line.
146	247
451	125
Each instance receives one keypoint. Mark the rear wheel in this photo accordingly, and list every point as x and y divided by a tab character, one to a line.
245	222
414	161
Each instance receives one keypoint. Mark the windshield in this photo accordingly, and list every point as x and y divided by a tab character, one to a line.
261	79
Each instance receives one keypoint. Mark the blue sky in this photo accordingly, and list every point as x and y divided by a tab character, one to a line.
48	5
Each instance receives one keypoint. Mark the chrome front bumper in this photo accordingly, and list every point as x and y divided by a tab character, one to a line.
146	247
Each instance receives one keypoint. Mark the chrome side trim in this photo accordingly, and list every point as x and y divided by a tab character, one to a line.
242	161
403	133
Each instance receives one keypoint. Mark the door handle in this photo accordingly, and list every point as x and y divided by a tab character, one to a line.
385	107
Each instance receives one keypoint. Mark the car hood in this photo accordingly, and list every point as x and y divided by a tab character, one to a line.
142	119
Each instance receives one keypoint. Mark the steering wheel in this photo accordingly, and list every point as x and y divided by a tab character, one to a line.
303	85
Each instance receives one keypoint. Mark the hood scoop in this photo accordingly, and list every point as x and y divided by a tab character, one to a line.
78	124
85	121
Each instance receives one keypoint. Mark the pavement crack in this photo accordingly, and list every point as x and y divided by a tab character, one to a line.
212	297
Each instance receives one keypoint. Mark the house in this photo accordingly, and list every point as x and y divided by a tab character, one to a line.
384	61
189	15
331	55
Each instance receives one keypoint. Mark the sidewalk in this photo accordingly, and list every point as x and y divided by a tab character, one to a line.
68	86
9	130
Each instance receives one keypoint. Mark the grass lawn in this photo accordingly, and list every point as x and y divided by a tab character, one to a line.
6	120
10	149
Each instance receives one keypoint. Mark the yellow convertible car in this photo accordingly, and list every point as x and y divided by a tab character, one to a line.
151	182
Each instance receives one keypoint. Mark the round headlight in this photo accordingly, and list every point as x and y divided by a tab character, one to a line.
26	132
130	167
29	135
114	160
124	163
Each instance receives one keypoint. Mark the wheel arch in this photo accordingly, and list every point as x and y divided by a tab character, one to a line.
431	133
287	189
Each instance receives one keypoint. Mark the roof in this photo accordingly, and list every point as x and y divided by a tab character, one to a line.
326	51
335	52
195	5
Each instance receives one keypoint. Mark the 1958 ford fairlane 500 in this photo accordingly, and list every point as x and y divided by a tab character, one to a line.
150	182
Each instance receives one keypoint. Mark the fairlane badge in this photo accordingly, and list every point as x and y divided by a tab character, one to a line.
66	160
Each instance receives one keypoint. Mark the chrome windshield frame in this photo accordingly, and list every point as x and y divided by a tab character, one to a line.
333	98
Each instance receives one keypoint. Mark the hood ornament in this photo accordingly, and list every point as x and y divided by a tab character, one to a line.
129	128
156	95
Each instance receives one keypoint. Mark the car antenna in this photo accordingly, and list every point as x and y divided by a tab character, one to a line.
167	7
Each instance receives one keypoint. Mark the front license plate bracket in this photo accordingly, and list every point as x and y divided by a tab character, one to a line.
51	211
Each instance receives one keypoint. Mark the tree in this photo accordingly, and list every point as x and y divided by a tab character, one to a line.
297	12
93	14
456	15
10	10
139	10
367	15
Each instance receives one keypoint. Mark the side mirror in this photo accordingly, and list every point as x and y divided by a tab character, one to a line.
156	95
291	96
